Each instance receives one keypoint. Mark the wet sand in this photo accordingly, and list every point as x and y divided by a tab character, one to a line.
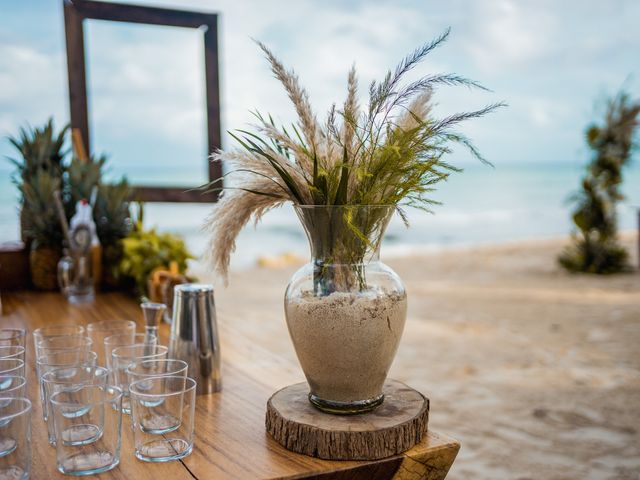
536	371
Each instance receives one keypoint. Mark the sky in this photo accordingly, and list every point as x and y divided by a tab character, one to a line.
550	61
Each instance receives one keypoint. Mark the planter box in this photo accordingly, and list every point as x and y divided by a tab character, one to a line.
14	266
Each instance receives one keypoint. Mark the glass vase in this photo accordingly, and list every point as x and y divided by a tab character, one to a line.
345	309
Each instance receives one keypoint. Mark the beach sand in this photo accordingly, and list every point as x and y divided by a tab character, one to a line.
536	371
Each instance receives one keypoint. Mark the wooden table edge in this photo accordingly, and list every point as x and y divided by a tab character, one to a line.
403	466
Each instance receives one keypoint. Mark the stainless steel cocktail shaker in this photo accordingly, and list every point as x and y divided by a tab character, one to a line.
194	335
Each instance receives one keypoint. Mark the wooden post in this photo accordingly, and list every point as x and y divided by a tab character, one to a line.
74	36
212	82
638	238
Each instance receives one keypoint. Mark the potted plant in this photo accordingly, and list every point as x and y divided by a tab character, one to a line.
39	173
346	176
42	169
42	228
41	150
113	223
145	250
595	247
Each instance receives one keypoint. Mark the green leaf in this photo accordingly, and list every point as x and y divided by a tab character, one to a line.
341	193
286	177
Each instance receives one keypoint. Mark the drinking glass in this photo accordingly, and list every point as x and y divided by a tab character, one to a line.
13	336
96	405
15	438
65	361
122	339
13	386
11	366
72	378
67	343
163	410
55	331
98	331
122	357
146	369
12	351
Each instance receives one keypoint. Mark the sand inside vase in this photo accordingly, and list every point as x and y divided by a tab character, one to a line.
346	342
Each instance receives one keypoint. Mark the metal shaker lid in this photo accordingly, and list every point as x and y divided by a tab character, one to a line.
192	289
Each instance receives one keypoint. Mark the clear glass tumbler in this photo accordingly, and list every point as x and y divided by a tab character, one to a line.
12	351
122	357
145	369
15	438
67	343
55	331
94	405
122	339
98	331
72	378
163	410
13	386
65	361
13	336
11	366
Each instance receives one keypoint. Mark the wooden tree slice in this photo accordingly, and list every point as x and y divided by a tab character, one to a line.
394	427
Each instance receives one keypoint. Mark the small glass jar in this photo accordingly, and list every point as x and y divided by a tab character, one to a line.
75	277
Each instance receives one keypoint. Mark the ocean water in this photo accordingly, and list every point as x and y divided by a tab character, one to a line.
479	206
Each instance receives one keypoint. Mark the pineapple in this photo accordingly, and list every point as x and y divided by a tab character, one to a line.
43	228
41	151
43	263
40	172
82	177
111	214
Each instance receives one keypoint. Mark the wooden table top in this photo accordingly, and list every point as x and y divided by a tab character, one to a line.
231	441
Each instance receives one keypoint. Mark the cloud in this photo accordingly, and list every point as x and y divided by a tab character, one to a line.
30	85
547	59
507	34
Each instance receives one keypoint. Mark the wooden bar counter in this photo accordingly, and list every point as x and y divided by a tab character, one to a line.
231	442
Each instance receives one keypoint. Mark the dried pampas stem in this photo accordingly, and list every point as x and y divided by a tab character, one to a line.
232	212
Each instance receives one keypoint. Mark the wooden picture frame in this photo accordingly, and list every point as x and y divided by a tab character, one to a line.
77	11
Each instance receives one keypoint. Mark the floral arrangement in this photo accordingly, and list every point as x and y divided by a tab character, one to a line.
391	151
146	250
